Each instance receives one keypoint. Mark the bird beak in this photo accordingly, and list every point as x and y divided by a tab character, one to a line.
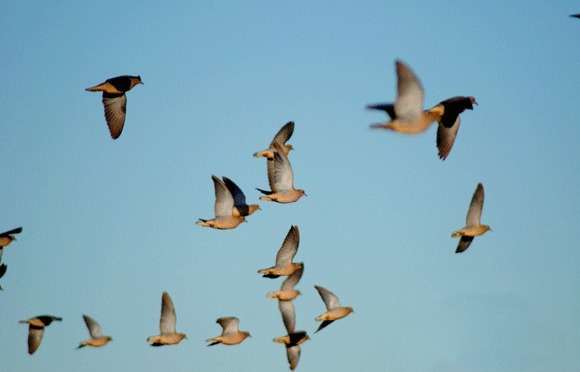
142	83
305	194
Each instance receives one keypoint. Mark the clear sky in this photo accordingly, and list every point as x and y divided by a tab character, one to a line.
108	225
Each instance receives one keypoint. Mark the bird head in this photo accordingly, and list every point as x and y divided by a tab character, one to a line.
135	80
472	102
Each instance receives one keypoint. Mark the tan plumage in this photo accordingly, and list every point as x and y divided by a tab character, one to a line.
284	265
115	100
281	138
97	339
168	335
287	291
281	179
231	334
473	226
8	237
36	327
225	218
406	113
334	310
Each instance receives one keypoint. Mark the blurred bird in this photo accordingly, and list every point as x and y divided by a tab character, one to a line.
7	237
36	330
168	334
334	310
225	218
3	269
115	100
473	226
293	339
287	291
97	339
240	206
231	334
406	114
284	265
281	179
281	138
449	121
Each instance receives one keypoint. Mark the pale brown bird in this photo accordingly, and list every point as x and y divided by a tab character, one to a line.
115	100
168	335
241	208
473	226
281	137
333	309
97	339
284	265
281	179
287	291
8	237
293	339
231	334
406	114
36	327
449	121
223	209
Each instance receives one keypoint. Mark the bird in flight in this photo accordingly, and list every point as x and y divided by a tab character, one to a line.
284	265
334	310
168	335
231	334
224	206
115	100
473	226
8	237
281	179
95	331
448	112
281	138
241	208
36	327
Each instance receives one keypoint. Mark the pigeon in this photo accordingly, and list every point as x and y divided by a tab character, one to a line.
473	226
284	265
97	339
168	335
281	179
223	209
334	310
36	327
231	334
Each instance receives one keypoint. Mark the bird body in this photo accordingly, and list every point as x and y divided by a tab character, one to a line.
281	179
334	311
281	138
231	334
8	237
36	327
115	100
95	342
473	226
97	339
284	265
334	314
284	295
225	217
277	271
167	333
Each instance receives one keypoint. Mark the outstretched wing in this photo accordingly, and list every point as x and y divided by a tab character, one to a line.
224	201
230	325
289	247
410	95
283	134
35	334
115	110
446	138
290	282
280	174
168	318
237	193
329	298
288	315
476	206
94	328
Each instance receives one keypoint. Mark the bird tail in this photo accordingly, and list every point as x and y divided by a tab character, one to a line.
378	126
456	234
213	341
81	345
23	321
202	222
265	192
271	295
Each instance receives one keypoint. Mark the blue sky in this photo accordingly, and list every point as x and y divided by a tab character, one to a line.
108	225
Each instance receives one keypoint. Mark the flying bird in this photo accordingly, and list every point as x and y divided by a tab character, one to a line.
231	334
115	100
241	208
406	113
168	335
36	327
281	179
284	265
449	121
97	339
287	291
333	309
225	217
8	236
473	226
281	138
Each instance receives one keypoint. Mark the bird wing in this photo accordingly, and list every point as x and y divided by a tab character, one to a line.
464	243
283	134
168	318
280	174
452	108
476	206
237	193
224	201
17	230
94	328
230	325
35	334
289	247
410	95
293	355
115	110
3	269
290	282
288	315
446	137
329	298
